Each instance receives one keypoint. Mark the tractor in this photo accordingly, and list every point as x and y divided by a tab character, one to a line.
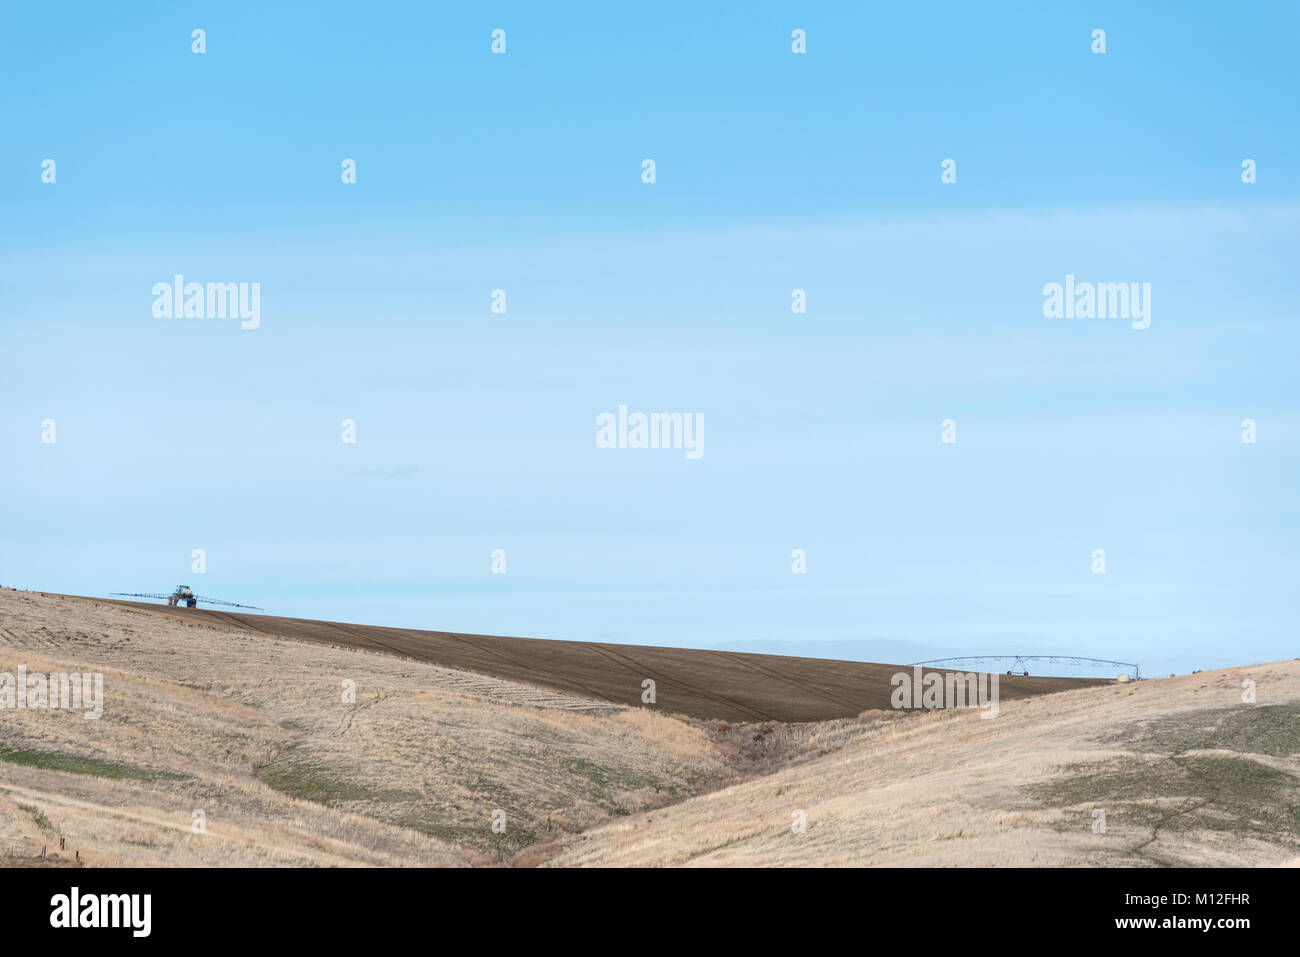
182	595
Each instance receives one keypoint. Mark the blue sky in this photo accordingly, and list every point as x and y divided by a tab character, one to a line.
775	171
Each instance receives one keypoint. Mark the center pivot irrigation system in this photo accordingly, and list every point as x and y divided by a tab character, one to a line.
1018	662
182	596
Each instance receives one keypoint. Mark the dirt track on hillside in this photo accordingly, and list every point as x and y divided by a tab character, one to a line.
730	686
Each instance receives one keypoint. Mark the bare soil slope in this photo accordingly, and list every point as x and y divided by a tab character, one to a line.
724	685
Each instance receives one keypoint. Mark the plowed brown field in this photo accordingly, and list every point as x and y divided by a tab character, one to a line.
730	686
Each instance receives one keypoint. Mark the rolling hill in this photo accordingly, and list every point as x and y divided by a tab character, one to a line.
723	685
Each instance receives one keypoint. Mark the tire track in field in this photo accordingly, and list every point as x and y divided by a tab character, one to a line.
636	666
530	671
801	685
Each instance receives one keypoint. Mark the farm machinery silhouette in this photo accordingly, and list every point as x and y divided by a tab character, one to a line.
183	595
1020	663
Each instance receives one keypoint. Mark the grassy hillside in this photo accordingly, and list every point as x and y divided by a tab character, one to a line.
292	752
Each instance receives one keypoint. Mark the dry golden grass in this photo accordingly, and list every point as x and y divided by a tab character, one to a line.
253	730
952	789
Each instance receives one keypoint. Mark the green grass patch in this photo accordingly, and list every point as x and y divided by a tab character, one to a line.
1256	729
1180	793
322	784
39	817
76	764
437	824
607	778
601	784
